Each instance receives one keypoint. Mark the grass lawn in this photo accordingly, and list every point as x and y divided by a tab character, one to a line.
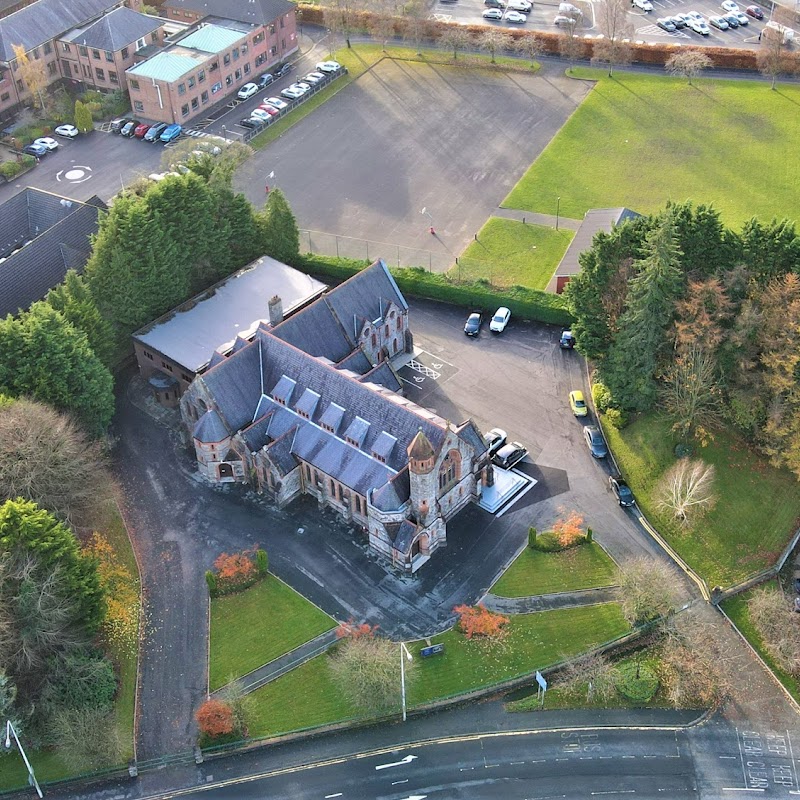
533	572
736	609
640	140
358	59
258	625
307	696
512	253
755	514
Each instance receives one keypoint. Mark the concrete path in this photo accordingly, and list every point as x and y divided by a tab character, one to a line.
288	661
549	602
548	220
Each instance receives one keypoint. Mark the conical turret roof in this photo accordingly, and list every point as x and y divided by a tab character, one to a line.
421	448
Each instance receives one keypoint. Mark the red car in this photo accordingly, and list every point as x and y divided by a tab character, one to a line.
271	110
755	12
140	130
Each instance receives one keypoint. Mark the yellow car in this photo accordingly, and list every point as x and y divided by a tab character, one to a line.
578	404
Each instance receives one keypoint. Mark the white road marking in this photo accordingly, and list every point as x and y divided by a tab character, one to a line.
733	757
489	766
618	791
739	789
515	763
406	760
328	796
791	755
394	783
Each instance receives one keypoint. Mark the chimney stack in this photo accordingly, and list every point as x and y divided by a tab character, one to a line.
275	306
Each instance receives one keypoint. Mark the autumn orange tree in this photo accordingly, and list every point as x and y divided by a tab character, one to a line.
215	718
478	621
234	571
569	529
353	630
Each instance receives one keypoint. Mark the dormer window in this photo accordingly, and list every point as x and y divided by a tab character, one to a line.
283	389
383	446
356	432
331	418
307	404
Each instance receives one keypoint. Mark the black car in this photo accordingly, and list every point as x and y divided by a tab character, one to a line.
118	124
251	122
474	323
36	150
130	126
495	3
265	80
567	340
154	133
621	491
595	441
282	70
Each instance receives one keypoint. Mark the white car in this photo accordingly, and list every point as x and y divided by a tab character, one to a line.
515	16
247	91
259	113
563	19
523	6
314	78
729	5
644	5
329	66
699	26
293	92
70	131
276	102
492	13
46	141
741	18
500	320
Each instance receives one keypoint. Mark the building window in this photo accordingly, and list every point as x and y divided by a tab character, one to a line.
185	110
387	330
140	43
246	69
47	48
133	84
65	67
399	323
83	51
216	88
35	52
181	88
148	355
188	380
238	74
235	52
165	365
333	489
358	504
154	37
138	106
283	44
244	49
52	67
272	28
374	340
258	38
66	47
201	76
308	473
4	97
20	87
214	65
260	59
191	83
101	76
204	97
228	80
273	50
95	54
109	57
450	471
195	104
112	76
226	59
125	52
86	70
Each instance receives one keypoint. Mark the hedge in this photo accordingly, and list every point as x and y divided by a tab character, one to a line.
10	169
524	303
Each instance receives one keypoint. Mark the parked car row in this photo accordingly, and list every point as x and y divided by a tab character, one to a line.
732	18
149	132
45	144
503	453
515	11
497	324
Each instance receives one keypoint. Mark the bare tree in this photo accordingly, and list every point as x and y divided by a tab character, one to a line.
530	46
87	738
455	38
367	670
570	45
381	25
774	58
647	590
690	394
614	47
687	490
688	63
45	457
592	674
341	16
241	704
772	615
31	72
493	40
415	13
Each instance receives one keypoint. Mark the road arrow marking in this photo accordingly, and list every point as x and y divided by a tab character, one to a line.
406	760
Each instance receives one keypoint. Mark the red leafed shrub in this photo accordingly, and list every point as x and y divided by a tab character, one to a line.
479	621
569	530
215	718
352	630
234	572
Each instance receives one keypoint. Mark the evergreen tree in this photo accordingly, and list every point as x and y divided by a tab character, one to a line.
241	236
83	117
632	364
708	249
44	356
771	250
76	304
279	229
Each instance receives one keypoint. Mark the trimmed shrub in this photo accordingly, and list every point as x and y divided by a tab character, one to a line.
617	418
211	580
589	535
601	397
10	169
262	562
532	538
636	682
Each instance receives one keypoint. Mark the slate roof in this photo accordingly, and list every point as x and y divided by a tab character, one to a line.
405	536
254	12
114	31
469	432
210	428
357	361
45	20
384	375
280	453
58	232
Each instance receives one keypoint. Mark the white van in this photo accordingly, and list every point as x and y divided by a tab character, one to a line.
569	10
773	28
525	6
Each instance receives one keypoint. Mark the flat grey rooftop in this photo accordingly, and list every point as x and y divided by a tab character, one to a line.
190	334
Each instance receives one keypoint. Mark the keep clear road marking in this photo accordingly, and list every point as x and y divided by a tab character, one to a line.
406	760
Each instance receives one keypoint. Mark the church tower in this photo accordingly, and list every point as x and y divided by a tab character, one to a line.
421	462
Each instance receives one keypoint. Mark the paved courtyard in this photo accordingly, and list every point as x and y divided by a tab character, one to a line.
406	136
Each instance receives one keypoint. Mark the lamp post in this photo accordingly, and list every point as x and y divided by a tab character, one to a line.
558	208
428	214
224	133
403	654
31	777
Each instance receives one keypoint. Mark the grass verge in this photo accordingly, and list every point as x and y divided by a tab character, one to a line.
736	608
508	252
756	509
307	696
534	572
649	151
258	625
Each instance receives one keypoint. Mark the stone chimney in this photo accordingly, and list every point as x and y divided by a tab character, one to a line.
275	306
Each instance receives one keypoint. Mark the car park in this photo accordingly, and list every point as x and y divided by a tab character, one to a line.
595	441
170	133
492	13
500	320
37	150
247	91
155	131
567	340
129	127
68	131
729	5
666	24
328	66
282	70
141	129
643	5
755	12
510	455
515	16
578	404
621	490
118	124
719	22
275	102
46	141
473	325
265	80
495	439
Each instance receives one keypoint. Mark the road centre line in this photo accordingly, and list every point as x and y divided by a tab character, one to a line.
739	789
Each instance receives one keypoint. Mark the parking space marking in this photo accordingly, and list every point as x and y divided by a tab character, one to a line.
426	371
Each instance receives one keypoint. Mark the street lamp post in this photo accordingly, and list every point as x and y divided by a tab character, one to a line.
225	133
403	654
558	208
428	215
31	776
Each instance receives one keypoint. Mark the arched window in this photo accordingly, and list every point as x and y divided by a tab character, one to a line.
450	470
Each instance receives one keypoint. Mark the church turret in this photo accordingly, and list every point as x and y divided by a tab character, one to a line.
421	461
